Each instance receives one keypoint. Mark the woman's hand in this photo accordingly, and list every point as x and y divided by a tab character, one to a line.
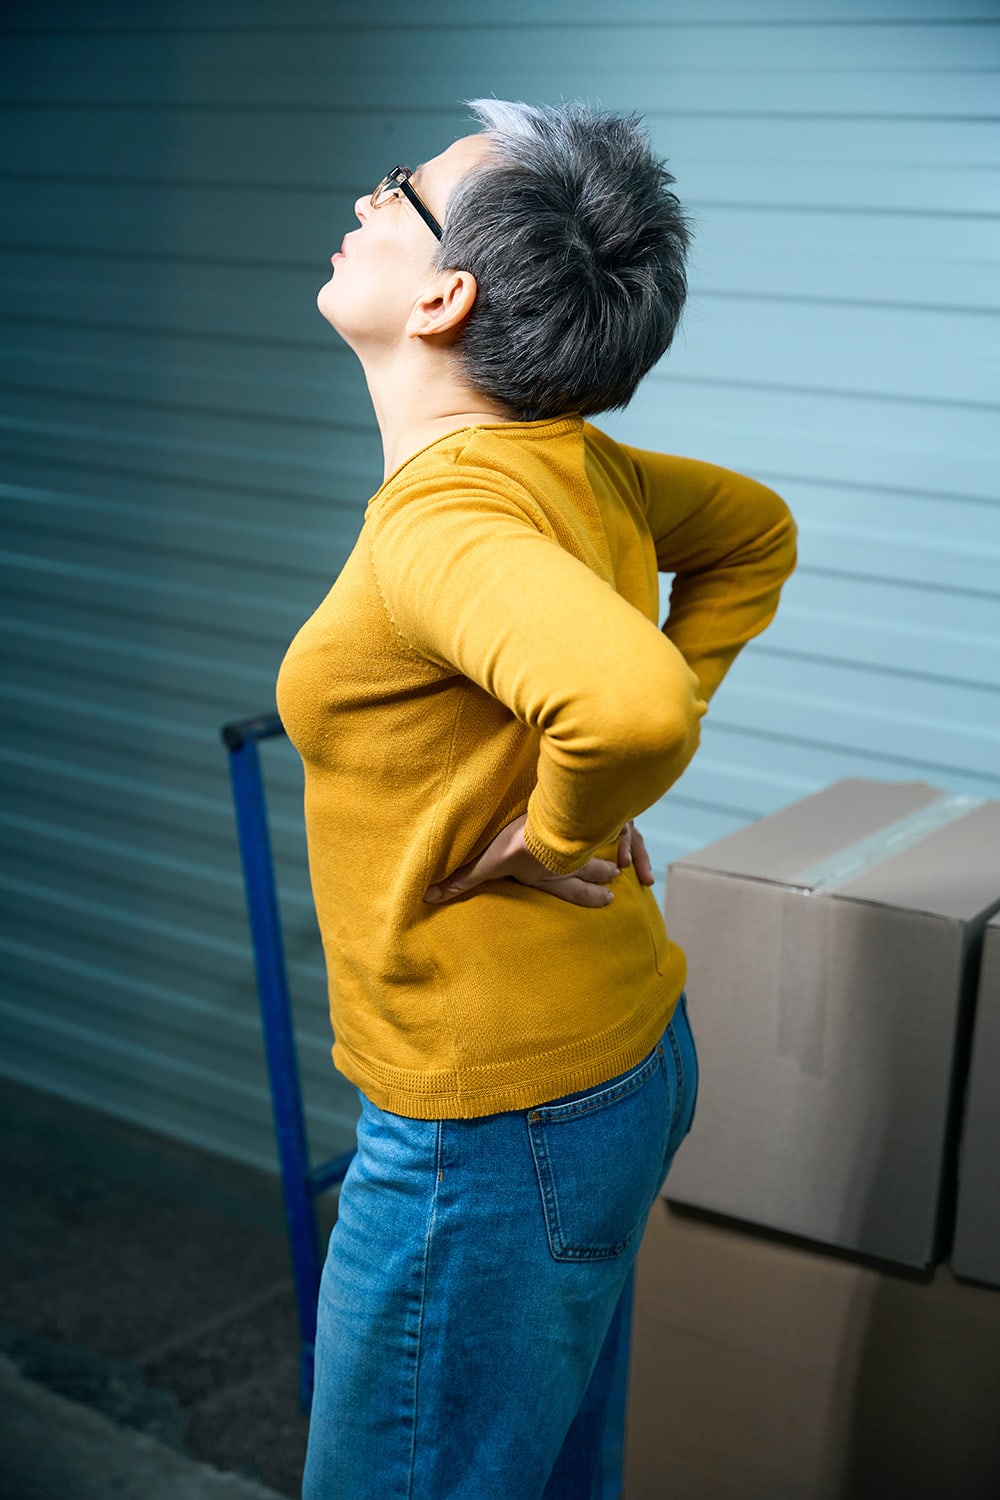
507	858
632	851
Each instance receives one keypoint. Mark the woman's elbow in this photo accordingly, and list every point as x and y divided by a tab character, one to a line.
680	738
670	729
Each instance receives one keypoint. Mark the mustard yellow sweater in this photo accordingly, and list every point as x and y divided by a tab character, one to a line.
491	647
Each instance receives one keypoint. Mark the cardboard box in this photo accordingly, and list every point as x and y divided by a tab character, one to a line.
768	1369
976	1251
831	951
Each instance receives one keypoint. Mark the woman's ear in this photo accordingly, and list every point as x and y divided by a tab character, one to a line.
443	307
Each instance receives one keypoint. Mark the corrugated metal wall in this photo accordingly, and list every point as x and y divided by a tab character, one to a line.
187	451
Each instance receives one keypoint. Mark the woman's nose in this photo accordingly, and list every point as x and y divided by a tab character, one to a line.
361	207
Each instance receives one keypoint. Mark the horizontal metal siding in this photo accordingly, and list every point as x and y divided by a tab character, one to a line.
186	449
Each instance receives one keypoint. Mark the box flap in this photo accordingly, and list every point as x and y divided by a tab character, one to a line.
784	843
902	844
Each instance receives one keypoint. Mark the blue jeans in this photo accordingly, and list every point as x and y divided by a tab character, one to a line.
475	1304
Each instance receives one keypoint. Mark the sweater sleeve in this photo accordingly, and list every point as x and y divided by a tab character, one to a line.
472	581
730	543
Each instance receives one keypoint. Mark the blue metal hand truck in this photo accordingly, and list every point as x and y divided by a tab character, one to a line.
301	1182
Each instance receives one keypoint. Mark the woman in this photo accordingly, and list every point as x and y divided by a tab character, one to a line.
483	704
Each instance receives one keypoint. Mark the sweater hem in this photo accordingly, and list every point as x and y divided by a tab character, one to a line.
521	1083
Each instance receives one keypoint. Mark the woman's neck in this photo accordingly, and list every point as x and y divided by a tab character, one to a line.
419	400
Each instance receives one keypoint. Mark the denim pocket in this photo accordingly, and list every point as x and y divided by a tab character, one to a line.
598	1156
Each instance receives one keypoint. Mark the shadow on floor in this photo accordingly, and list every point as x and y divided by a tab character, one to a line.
151	1282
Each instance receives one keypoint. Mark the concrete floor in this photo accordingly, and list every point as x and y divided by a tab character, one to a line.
151	1284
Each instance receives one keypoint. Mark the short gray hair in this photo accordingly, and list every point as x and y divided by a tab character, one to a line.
577	246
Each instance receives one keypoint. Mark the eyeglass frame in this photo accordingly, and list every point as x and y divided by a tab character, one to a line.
399	178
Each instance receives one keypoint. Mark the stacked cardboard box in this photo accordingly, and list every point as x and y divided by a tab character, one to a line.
832	952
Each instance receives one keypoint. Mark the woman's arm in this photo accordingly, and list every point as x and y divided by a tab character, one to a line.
471	581
730	543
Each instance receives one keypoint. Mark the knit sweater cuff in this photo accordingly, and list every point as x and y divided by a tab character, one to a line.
557	862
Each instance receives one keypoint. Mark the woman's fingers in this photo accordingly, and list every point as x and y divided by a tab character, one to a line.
595	871
496	861
585	887
577	891
640	858
487	867
632	851
447	890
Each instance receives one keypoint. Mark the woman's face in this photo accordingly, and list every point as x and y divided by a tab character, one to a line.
382	268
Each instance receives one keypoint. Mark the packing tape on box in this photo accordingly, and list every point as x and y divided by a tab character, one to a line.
805	943
860	857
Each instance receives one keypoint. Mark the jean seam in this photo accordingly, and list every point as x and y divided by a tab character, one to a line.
546	1186
424	1268
553	1114
679	1065
693	1051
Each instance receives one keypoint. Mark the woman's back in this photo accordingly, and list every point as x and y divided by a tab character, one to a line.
491	648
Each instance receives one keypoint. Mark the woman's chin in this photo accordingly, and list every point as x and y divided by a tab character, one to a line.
325	302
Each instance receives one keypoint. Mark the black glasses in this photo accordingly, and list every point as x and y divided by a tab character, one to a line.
398	180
